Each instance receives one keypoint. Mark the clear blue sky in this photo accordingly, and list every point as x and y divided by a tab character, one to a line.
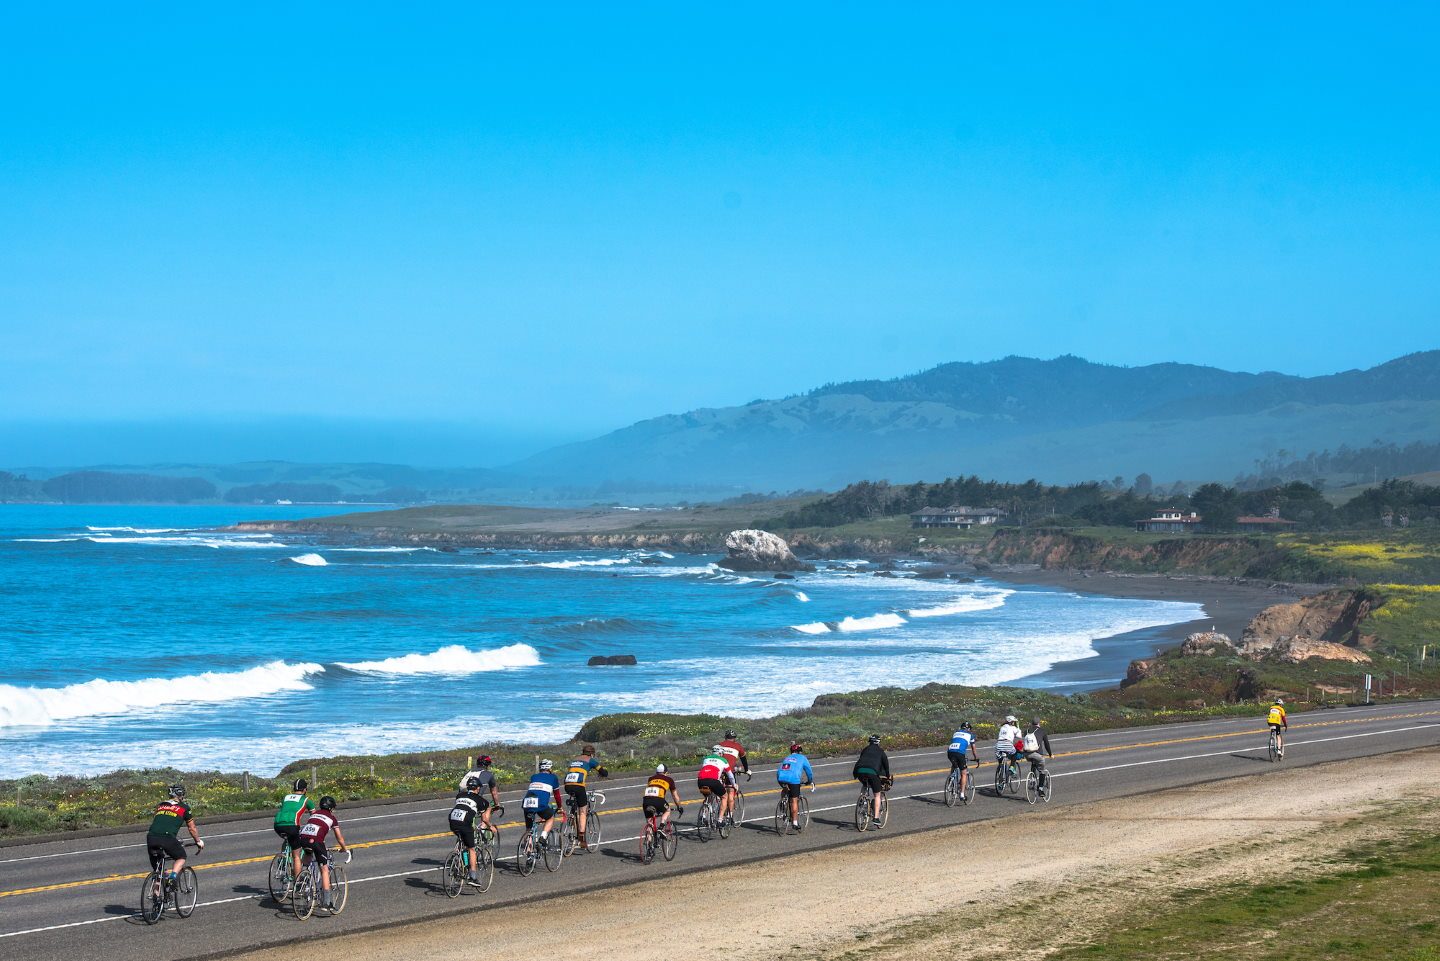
556	219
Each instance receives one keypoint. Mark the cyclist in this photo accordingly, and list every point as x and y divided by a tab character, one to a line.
468	805
734	752
794	772
294	808
163	837
317	830
580	768
962	742
488	785
542	799
714	777
659	790
1279	723
1005	739
1036	743
872	769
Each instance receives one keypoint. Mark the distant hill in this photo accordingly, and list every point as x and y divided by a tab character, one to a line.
1058	420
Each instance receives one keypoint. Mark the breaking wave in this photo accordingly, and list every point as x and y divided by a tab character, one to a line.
875	622
309	560
453	659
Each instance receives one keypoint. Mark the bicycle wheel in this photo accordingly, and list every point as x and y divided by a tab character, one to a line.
525	853
452	875
723	826
782	817
279	877
669	841
484	869
970	788
1012	781
569	839
339	889
862	812
592	827
553	852
1274	748
1047	786
884	818
647	844
999	778
152	898
952	789
1032	787
705	819
738	811
187	892
302	903
803	810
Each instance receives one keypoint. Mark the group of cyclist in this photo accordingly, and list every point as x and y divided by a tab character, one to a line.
307	828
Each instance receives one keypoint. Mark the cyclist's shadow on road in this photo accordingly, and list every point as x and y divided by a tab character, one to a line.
125	911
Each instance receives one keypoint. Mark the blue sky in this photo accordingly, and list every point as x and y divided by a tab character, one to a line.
543	223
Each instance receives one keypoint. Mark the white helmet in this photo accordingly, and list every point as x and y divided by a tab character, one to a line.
1010	719
660	769
546	764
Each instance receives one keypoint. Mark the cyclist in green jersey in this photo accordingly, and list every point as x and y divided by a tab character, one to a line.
163	838
294	808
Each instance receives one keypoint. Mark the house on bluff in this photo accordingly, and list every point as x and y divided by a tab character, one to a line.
1270	521
1170	521
960	518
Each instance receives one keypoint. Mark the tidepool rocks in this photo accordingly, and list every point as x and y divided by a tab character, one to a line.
752	550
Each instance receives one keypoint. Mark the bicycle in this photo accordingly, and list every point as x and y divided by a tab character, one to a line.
864	820
454	875
594	800
1037	785
533	847
282	874
658	836
159	892
953	794
1275	753
1007	776
311	886
708	822
802	814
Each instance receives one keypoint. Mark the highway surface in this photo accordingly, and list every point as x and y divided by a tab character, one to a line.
79	897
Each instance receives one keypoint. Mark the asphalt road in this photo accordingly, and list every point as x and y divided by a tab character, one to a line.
80	897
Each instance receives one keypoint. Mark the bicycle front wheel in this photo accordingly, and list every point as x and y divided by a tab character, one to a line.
968	794
452	875
152	898
279	877
738	811
803	810
884	817
339	889
187	892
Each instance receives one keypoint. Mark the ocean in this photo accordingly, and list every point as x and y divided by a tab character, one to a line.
139	637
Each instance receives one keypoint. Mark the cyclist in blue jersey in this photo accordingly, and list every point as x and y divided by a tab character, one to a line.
962	743
794	772
542	799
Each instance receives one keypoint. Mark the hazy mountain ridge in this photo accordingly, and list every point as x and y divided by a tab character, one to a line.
1058	420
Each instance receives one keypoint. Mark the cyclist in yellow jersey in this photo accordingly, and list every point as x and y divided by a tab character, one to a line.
1279	723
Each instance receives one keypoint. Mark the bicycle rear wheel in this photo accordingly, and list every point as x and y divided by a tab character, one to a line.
187	892
302	903
553	850
705	819
452	875
952	789
1032	787
999	778
723	826
152	898
569	839
1047	785
525	853
782	817
862	812
484	869
1274	748
647	844
279	877
339	889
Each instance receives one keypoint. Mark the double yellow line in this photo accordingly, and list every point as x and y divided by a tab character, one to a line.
214	865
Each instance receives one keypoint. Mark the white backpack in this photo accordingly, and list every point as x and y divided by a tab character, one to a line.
1032	743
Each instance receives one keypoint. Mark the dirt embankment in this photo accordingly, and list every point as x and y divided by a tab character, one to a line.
1074	871
1064	550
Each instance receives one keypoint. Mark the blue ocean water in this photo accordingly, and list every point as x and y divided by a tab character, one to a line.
137	636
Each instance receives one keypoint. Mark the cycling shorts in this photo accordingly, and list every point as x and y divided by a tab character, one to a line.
712	784
872	781
654	806
291	834
465	832
1276	729
543	814
316	848
161	845
957	759
578	793
790	790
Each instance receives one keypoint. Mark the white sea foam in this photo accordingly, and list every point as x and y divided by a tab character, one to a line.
964	605
45	540
43	706
598	562
453	659
309	560
802	597
875	622
137	530
381	550
237	540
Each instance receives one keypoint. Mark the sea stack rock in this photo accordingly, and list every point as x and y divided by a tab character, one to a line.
752	550
612	660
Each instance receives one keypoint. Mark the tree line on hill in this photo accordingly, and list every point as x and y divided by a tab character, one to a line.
1365	463
1094	503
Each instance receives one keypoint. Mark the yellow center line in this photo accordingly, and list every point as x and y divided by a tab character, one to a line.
213	865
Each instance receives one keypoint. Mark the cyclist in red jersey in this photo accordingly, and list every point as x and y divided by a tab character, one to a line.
734	753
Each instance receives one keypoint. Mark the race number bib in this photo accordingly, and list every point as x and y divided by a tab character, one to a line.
531	803
654	792
458	814
574	777
310	830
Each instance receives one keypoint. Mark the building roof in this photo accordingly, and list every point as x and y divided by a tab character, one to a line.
1182	519
1263	520
960	512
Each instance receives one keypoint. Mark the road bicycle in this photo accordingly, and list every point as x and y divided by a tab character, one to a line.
708	822
1007	776
783	826
1275	753
310	887
593	800
455	874
659	836
282	873
953	794
1037	784
160	891
864	806
534	847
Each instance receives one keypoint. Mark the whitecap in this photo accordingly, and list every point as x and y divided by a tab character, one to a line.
453	659
874	622
309	560
802	597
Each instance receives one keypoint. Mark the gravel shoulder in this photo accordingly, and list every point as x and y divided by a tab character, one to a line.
1067	874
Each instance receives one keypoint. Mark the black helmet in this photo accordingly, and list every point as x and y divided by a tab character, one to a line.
964	725
177	791
301	784
472	784
730	735
485	760
1036	721
327	803
874	739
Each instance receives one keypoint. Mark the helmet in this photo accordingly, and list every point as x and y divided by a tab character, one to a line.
1036	721
796	749
730	735
177	791
1280	701
546	764
660	769
327	803
874	739
964	725
1010	719
485	761
300	785
472	784
588	750
717	749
